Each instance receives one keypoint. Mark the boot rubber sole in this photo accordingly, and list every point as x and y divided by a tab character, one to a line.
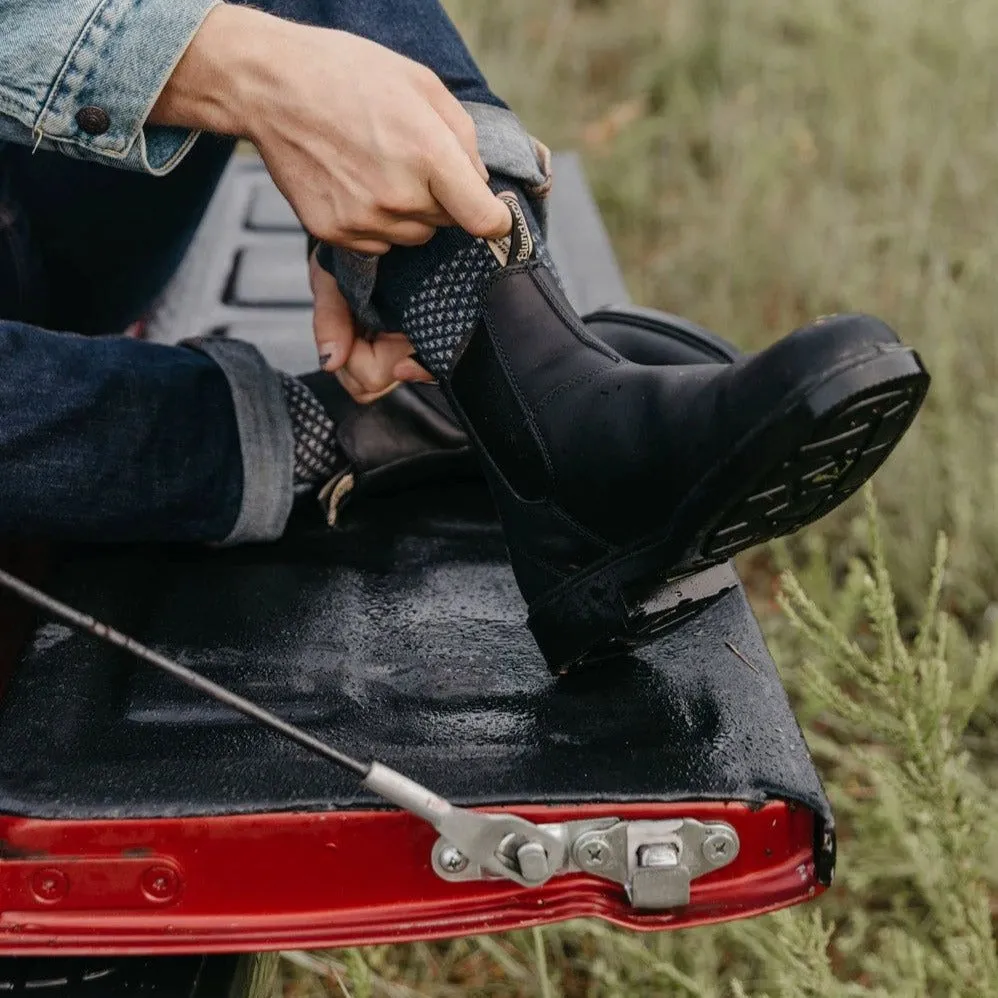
809	458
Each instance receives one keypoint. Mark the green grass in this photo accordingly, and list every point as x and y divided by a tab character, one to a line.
758	164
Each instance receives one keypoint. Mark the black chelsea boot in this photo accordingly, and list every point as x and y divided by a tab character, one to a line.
616	481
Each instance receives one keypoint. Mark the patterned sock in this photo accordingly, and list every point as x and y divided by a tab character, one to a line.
433	293
314	433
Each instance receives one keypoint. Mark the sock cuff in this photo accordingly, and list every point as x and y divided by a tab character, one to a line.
314	435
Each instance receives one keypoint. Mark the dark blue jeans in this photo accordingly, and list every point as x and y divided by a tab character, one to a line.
105	438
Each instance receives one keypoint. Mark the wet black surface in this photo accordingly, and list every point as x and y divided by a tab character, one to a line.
403	639
117	977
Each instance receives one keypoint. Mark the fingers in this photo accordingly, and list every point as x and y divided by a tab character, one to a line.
409	370
459	189
435	216
332	322
370	370
358	392
457	119
366	370
409	233
462	125
403	209
368	245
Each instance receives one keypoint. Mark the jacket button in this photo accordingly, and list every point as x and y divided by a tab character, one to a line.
93	120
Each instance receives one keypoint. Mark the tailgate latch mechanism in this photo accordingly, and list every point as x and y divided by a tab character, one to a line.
654	861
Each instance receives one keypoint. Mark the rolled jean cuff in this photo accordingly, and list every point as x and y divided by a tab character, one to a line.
265	438
506	148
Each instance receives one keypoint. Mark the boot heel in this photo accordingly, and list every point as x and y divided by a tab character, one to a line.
612	612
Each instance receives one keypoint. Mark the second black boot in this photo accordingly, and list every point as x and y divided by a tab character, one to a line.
617	481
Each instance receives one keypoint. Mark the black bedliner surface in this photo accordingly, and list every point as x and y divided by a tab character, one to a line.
401	639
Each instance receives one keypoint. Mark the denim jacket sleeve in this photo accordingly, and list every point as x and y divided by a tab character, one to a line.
110	57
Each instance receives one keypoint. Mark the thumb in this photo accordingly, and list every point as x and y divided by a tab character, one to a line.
332	320
458	188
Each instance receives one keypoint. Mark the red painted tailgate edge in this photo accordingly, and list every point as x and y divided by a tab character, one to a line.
275	881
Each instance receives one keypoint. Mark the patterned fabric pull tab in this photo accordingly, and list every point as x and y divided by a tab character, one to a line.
518	246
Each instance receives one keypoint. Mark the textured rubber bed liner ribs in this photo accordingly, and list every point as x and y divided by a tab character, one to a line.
673	786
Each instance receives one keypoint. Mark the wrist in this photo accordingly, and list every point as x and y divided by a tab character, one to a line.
218	80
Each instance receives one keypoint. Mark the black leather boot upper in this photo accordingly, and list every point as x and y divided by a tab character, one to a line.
588	454
410	436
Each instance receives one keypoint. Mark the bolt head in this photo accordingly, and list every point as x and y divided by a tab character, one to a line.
50	885
453	860
160	884
533	862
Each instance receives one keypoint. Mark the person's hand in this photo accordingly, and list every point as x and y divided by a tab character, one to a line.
368	146
366	370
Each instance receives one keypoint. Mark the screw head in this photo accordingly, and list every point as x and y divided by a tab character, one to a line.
160	884
592	854
453	860
50	885
719	848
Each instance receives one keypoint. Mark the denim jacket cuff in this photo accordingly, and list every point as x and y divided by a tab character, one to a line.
118	66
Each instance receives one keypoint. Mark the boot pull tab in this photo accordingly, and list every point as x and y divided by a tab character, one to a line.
518	246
